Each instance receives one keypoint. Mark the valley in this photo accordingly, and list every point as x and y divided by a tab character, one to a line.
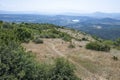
100	27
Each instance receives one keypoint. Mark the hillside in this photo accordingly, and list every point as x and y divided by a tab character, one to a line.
89	24
49	42
89	64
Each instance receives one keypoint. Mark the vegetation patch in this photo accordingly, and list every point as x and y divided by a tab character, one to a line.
17	64
38	41
115	58
117	43
98	46
71	46
84	39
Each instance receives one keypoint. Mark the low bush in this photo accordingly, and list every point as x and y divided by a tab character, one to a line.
108	42
84	39
55	34
63	70
71	46
23	34
98	46
115	58
117	42
38	41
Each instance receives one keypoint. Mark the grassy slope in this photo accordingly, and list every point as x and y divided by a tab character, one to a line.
90	64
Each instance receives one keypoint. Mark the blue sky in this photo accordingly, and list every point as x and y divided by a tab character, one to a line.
61	5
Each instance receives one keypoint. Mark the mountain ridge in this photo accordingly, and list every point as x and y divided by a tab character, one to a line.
92	14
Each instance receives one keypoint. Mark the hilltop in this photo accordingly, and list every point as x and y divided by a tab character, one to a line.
49	42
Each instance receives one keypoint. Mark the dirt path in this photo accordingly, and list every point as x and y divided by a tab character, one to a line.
90	76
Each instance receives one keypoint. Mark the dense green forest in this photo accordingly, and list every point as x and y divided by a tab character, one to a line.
17	64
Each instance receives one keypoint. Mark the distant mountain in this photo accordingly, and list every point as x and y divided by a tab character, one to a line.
95	14
106	15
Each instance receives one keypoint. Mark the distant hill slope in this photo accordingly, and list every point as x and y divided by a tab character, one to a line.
106	28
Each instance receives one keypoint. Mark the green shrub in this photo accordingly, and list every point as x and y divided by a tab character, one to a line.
26	40
84	39
108	42
97	38
115	58
16	64
98	46
63	70
71	46
38	41
23	34
117	42
65	38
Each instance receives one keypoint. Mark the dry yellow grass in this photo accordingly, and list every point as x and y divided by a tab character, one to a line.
90	65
